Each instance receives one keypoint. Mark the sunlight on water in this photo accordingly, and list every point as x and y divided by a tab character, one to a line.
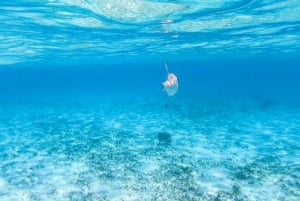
98	29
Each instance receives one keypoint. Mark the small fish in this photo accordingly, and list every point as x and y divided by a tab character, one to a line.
170	86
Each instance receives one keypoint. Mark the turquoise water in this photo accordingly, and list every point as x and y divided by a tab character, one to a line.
83	116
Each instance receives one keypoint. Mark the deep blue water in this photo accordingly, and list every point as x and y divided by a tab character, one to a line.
82	111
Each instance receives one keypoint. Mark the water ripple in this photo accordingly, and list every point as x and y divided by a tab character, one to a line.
37	30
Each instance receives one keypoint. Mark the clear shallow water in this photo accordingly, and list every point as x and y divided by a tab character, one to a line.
82	113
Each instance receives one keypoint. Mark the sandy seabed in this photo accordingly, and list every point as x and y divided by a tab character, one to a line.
139	151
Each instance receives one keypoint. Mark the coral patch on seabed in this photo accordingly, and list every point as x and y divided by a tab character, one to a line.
164	138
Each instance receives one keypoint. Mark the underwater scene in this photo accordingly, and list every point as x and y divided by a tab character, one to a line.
150	100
